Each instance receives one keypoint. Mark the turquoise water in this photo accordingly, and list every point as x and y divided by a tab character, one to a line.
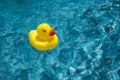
89	40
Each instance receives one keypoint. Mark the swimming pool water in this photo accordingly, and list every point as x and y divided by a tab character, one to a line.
89	40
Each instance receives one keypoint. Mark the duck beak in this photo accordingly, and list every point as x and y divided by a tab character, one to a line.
52	32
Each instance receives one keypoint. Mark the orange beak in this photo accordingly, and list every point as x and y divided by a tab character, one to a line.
52	32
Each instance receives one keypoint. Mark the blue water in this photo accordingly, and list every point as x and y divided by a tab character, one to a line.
89	40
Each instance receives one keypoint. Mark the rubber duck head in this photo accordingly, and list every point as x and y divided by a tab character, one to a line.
44	30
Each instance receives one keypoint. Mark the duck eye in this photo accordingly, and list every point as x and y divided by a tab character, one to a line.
44	30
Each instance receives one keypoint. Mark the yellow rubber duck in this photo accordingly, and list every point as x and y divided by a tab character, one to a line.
43	38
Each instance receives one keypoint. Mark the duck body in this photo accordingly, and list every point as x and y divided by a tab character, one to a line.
43	38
